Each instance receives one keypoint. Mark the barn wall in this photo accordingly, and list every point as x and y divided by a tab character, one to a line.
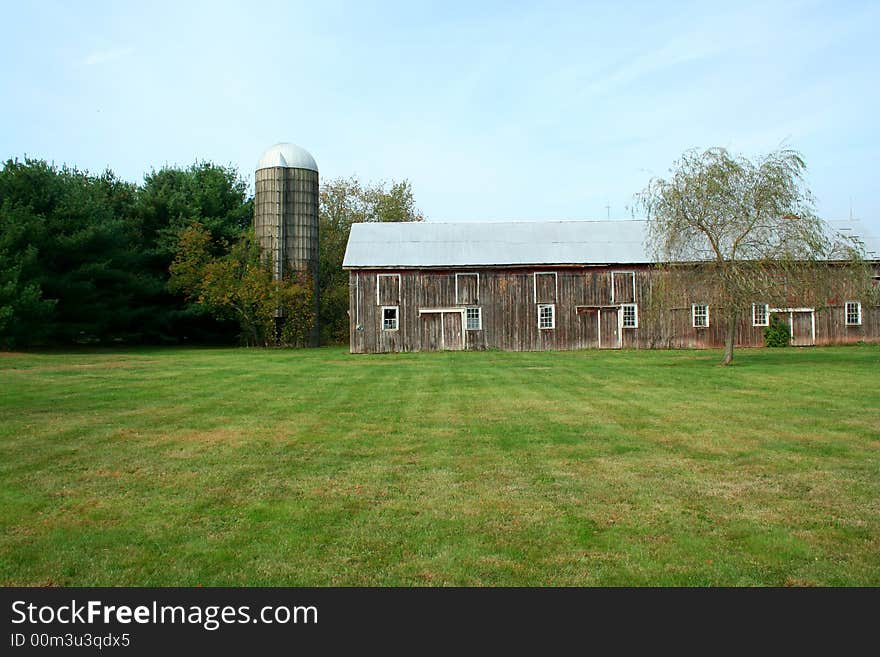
587	304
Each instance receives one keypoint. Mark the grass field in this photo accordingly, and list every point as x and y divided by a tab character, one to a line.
254	467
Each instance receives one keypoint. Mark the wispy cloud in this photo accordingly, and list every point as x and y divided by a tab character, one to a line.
104	56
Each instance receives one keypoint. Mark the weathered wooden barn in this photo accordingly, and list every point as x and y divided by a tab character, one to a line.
529	286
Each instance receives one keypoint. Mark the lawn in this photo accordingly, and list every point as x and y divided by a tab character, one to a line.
317	467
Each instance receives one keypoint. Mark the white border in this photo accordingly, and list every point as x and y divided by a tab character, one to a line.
622	324
378	301
555	286
552	307
791	312
628	273
441	312
396	317
766	307
479	310
467	273
694	315
846	313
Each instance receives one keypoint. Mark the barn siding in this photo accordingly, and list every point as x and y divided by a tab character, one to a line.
508	299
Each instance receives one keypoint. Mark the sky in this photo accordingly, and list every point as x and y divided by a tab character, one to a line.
492	110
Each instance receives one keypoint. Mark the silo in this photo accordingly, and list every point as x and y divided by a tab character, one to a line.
286	214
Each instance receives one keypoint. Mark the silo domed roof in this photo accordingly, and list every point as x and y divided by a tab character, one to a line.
287	155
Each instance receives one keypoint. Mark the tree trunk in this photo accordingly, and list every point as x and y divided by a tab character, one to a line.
729	337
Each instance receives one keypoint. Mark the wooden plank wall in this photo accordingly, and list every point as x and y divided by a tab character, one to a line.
507	299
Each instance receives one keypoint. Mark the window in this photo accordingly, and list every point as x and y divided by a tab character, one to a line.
630	315
467	288
853	313
389	318
546	316
387	289
700	315
623	287
474	320
760	314
546	286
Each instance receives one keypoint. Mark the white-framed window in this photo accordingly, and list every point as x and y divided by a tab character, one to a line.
853	313
389	318
387	288
700	315
474	319
623	287
541	282
630	315
467	287
546	316
760	314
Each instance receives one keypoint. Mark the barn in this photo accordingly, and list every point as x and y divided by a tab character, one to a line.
549	285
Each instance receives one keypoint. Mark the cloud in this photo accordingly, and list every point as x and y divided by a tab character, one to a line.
104	56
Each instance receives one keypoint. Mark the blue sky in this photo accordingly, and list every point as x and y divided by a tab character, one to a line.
493	110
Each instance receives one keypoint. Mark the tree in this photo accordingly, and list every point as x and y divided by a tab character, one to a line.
24	313
346	201
749	224
168	202
84	258
69	255
238	284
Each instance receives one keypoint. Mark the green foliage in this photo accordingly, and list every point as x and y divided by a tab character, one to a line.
346	201
85	258
171	199
777	334
238	285
23	311
751	222
70	261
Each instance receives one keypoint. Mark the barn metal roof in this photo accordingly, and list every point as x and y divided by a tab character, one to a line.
517	243
863	233
288	156
465	244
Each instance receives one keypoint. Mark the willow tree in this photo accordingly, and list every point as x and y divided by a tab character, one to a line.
741	229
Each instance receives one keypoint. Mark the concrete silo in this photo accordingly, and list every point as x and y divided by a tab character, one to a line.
286	214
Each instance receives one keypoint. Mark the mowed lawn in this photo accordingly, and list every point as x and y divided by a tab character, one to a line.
317	467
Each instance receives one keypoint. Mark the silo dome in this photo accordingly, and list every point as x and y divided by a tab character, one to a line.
289	156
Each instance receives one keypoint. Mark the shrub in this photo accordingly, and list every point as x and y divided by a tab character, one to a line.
777	334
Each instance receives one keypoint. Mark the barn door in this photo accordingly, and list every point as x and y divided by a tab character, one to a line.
431	331
452	333
801	326
802	329
588	328
441	330
609	329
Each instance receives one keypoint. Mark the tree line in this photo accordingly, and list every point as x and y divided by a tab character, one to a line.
93	259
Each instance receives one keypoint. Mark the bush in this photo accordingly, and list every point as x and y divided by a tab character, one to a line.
777	334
